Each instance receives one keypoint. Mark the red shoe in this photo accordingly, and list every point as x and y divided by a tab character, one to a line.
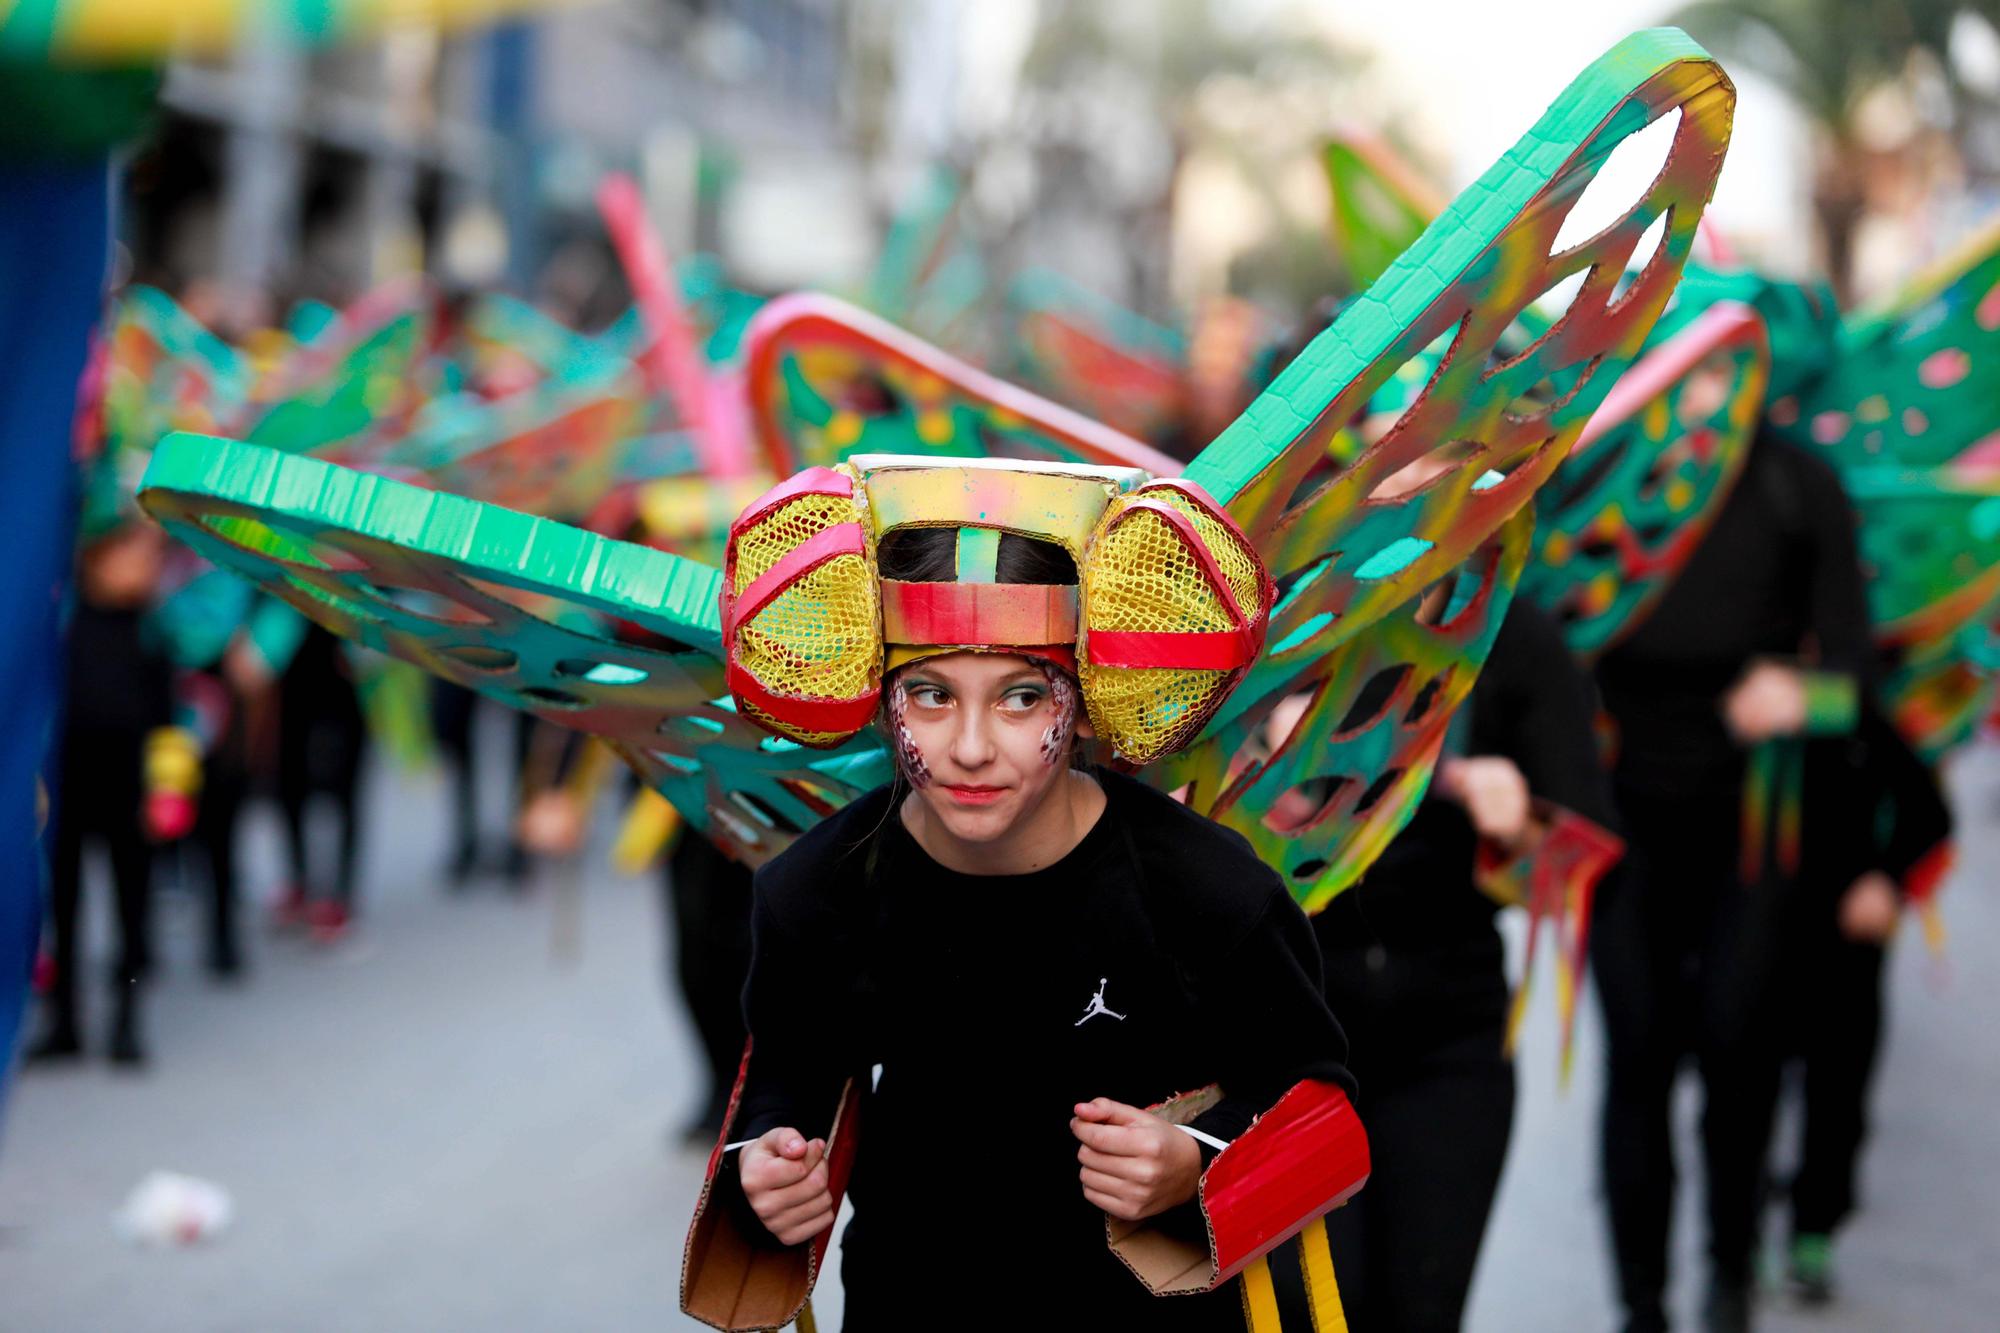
290	910
329	920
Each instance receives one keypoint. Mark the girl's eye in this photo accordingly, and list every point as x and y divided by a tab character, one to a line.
928	696
1021	701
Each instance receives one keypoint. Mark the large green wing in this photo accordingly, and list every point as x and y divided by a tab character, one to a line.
1351	550
1912	380
1930	548
512	606
1908	411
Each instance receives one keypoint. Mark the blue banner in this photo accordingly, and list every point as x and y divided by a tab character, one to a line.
54	242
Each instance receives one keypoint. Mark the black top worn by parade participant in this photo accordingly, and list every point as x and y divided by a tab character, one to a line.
1413	944
1157	957
1777	571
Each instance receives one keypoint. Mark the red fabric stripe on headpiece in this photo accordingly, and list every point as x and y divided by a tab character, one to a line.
813	481
844	716
978	614
824	545
1190	650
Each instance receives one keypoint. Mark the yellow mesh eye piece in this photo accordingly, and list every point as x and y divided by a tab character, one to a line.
1175	602
800	617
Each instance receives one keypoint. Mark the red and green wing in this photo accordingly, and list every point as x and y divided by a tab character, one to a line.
1352	553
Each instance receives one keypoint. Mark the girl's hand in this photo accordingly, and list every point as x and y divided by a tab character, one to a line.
1134	1163
785	1179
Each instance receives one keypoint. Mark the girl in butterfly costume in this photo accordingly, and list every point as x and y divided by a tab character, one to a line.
1002	911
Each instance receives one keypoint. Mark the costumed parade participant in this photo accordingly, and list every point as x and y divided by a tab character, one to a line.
1834	813
1767	619
1416	970
322	745
1701	568
1875	830
1162	625
707	897
120	702
1709	568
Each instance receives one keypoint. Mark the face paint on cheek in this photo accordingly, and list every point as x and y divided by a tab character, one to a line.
908	757
1062	697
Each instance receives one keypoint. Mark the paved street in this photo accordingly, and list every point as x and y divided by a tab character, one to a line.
464	1120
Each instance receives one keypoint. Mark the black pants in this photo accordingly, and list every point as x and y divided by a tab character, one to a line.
709	896
1839	1032
214	840
225	786
322	742
1438	1123
452	713
1686	959
101	803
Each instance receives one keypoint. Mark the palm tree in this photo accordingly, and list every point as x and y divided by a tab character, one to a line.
1829	55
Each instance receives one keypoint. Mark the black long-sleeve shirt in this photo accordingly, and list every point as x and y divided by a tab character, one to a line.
120	688
973	994
1778	575
1412	955
120	684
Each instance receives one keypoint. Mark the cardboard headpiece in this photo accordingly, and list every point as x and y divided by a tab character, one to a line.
1167	611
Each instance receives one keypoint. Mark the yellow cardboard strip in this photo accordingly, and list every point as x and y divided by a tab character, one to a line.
1316	1258
1260	1302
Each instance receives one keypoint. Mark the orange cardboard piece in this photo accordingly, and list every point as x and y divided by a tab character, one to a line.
733	1280
1303	1158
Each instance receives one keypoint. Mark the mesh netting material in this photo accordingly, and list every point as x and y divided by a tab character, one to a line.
821	637
1140	577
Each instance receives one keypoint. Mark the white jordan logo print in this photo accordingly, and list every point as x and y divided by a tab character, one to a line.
1097	1006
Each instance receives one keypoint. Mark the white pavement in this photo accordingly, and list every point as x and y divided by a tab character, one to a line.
463	1120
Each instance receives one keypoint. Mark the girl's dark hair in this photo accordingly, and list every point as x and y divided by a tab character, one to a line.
930	555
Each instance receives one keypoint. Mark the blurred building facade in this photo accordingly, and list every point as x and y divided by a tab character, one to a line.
276	174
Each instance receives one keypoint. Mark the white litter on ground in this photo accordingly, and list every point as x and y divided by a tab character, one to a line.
170	1209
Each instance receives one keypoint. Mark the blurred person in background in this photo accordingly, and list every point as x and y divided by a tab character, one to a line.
1876	837
706	896
322	743
1417	972
455	714
120	693
234	696
1688	947
225	787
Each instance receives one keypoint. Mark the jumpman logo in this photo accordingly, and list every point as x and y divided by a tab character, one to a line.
1097	1006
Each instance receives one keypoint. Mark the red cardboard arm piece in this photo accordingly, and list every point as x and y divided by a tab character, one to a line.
1302	1159
731	1279
1921	881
